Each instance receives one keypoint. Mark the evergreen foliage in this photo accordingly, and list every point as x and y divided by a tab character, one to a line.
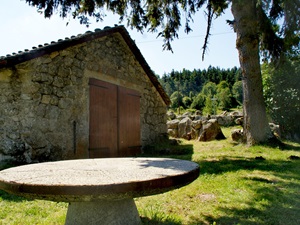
282	95
205	90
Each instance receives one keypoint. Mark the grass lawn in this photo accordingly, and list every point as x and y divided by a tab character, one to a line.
237	185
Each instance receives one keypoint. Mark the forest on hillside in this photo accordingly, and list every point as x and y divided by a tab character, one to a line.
213	89
207	90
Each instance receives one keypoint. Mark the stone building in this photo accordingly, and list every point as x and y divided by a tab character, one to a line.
90	95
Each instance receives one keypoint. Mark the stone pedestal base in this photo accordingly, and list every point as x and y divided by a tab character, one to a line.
104	212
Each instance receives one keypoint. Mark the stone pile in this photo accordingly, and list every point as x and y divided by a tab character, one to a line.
202	128
237	135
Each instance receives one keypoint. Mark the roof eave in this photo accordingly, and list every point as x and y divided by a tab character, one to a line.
12	60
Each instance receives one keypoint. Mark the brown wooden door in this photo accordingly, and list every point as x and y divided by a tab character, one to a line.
129	122
103	119
114	120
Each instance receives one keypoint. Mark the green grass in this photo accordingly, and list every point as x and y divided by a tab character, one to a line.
16	211
237	185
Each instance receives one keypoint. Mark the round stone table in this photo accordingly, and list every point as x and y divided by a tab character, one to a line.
99	191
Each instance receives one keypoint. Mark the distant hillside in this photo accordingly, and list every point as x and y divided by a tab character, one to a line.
198	89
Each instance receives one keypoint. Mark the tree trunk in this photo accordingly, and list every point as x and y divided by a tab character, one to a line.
256	127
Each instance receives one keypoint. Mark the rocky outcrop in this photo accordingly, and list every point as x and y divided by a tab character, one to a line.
275	129
211	130
237	135
184	127
199	127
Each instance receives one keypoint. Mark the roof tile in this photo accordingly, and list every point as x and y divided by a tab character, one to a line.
22	56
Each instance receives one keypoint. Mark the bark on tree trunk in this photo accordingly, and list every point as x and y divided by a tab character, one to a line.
256	126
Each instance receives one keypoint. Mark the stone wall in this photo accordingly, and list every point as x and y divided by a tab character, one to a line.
44	113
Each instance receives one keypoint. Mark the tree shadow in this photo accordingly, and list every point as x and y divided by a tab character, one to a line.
10	197
171	149
280	192
279	208
231	164
281	144
159	221
288	146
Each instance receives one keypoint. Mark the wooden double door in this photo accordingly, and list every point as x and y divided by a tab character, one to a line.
114	129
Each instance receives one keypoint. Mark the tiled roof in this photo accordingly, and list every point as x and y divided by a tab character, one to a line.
22	56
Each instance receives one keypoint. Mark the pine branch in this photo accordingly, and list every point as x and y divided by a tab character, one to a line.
209	23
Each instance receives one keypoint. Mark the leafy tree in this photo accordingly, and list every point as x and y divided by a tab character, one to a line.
210	107
223	95
209	89
191	95
222	85
209	92
191	84
187	101
257	23
198	102
237	92
282	94
176	100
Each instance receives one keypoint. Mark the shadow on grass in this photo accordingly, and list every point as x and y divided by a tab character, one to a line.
282	145
172	148
278	195
234	164
10	197
154	216
158	221
278	208
288	146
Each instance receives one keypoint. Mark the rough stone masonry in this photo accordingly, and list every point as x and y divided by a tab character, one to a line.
44	111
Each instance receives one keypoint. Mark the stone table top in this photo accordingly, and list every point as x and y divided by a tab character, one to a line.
96	179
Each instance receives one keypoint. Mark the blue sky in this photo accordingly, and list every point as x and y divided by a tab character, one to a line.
22	28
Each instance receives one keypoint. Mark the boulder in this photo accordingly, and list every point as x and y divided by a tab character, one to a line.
184	127
237	135
173	133
275	129
239	121
187	114
171	115
210	131
224	113
198	113
173	124
236	114
224	120
198	117
195	133
197	124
